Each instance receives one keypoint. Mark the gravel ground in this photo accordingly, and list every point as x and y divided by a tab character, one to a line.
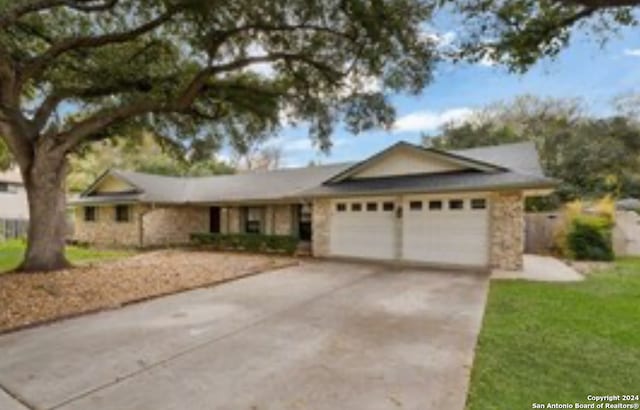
28	299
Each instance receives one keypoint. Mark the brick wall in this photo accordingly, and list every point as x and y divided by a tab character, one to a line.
105	230
171	225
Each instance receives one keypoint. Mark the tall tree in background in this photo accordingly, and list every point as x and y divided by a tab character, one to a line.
73	71
143	153
591	156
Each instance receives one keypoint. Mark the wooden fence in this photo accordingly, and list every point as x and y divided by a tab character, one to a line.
13	228
540	230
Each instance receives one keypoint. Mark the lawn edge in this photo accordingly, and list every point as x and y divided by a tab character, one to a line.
47	322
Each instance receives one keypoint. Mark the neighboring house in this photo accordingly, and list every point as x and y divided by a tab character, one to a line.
407	203
13	196
14	209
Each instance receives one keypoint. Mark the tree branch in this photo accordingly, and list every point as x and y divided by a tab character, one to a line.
34	67
13	14
602	4
88	6
329	72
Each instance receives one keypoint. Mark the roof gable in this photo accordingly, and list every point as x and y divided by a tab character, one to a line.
404	159
110	182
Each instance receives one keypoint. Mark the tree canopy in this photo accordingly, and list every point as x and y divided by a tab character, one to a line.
143	153
88	69
591	156
518	33
195	71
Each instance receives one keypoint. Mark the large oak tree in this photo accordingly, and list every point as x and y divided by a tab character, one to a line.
75	71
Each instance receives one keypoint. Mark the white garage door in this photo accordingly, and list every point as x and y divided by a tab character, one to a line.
447	230
363	228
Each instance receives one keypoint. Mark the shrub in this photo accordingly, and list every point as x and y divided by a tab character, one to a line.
589	238
248	242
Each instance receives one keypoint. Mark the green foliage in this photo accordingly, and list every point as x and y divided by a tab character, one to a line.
592	157
12	251
5	156
558	342
519	33
248	242
145	153
207	73
589	238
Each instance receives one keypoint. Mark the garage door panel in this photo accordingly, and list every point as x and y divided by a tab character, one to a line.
445	236
362	234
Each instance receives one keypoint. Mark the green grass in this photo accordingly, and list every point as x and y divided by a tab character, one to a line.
11	254
544	342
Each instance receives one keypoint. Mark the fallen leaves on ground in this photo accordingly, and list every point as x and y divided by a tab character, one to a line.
27	299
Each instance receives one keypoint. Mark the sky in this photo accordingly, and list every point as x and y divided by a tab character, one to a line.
584	70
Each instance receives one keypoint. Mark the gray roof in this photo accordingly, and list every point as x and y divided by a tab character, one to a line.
518	168
520	156
249	186
445	182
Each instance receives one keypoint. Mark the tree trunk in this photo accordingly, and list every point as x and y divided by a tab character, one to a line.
45	183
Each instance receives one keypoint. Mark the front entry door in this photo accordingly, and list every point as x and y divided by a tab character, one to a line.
304	222
214	219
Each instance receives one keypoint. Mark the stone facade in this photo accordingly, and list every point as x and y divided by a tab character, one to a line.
321	220
282	220
106	231
277	219
172	225
506	230
230	220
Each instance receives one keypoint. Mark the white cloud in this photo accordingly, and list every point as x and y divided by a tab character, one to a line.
632	52
440	39
264	69
430	120
487	61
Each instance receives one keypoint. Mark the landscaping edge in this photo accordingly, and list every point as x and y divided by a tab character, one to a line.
140	300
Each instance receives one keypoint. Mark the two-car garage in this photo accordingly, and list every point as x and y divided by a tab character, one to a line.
432	229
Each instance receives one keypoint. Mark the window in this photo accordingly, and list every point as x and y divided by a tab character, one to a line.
89	213
456	204
372	206
478	203
435	205
253	222
122	213
356	207
4	187
387	206
341	207
415	205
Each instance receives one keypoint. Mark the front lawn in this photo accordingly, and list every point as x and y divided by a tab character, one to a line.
11	254
558	343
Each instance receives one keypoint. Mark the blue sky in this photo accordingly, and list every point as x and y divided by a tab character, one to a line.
584	69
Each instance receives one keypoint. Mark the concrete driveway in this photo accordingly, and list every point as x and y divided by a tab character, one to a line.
322	335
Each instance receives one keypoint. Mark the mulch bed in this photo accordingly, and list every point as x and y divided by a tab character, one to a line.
34	298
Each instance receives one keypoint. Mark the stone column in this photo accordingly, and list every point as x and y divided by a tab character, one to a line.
506	230
320	225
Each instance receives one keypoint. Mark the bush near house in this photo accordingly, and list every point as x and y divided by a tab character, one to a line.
589	238
248	242
586	230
